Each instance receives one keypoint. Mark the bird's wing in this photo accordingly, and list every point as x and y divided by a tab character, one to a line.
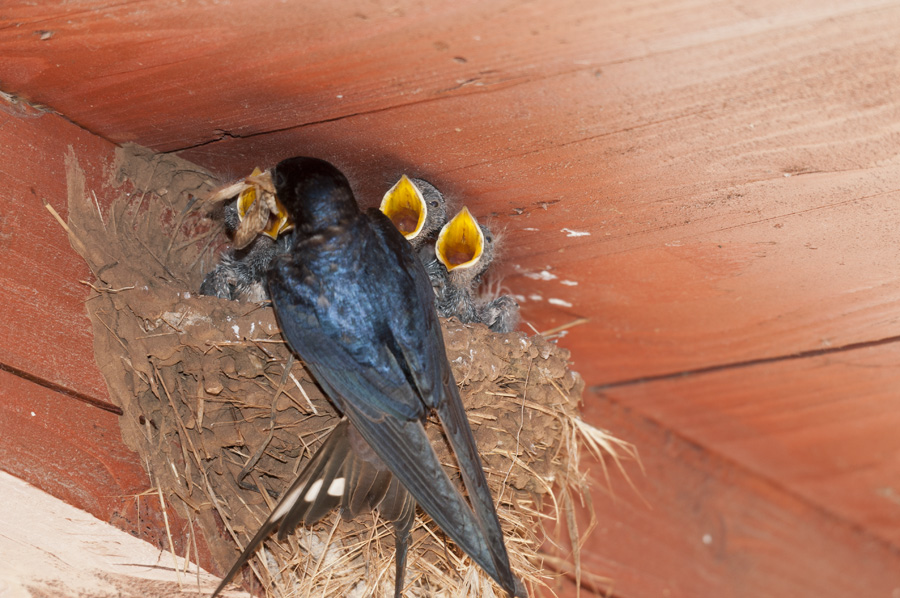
415	328
384	389
405	448
309	497
426	359
343	468
403	370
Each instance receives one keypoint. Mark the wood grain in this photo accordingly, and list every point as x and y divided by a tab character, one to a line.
722	199
97	62
704	527
49	335
666	132
66	552
74	451
697	235
824	427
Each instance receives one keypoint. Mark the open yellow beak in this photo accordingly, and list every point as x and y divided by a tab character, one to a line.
275	222
461	242
406	207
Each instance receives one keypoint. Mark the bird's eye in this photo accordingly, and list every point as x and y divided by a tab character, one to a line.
434	203
489	239
278	179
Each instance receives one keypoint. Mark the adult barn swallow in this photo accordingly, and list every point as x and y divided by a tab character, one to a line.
356	305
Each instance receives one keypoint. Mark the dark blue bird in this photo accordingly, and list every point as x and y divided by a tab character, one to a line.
356	304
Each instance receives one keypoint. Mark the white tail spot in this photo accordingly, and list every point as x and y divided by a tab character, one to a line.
337	487
313	491
287	503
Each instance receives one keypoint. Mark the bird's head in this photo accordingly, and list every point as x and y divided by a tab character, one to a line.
465	247
416	208
314	192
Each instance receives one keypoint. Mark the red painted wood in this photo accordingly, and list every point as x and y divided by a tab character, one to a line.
288	65
74	451
644	128
702	250
46	331
825	427
719	271
706	527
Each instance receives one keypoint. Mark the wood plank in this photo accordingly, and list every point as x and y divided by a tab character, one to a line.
824	427
715	220
66	552
74	451
661	145
40	276
123	69
710	528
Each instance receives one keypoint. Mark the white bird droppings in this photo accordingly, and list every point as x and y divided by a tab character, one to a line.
560	302
542	275
575	233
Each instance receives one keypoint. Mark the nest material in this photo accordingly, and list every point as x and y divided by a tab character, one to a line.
218	409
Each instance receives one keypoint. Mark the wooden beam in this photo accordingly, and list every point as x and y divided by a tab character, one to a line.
824	427
49	337
65	552
704	526
74	451
123	70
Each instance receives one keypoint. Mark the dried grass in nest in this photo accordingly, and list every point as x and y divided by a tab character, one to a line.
217	407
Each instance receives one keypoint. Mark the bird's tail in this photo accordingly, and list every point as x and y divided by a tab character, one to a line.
346	472
456	425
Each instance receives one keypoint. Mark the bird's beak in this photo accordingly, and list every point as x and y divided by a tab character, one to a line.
406	207
259	186
461	242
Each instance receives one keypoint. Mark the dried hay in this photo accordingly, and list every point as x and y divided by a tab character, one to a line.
217	407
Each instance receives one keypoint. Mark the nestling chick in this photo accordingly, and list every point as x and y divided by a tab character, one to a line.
463	252
240	273
416	208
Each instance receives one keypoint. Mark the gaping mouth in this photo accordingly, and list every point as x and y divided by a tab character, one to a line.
259	205
406	207
461	242
258	208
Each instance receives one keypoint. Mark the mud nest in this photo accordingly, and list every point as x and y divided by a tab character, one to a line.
224	418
